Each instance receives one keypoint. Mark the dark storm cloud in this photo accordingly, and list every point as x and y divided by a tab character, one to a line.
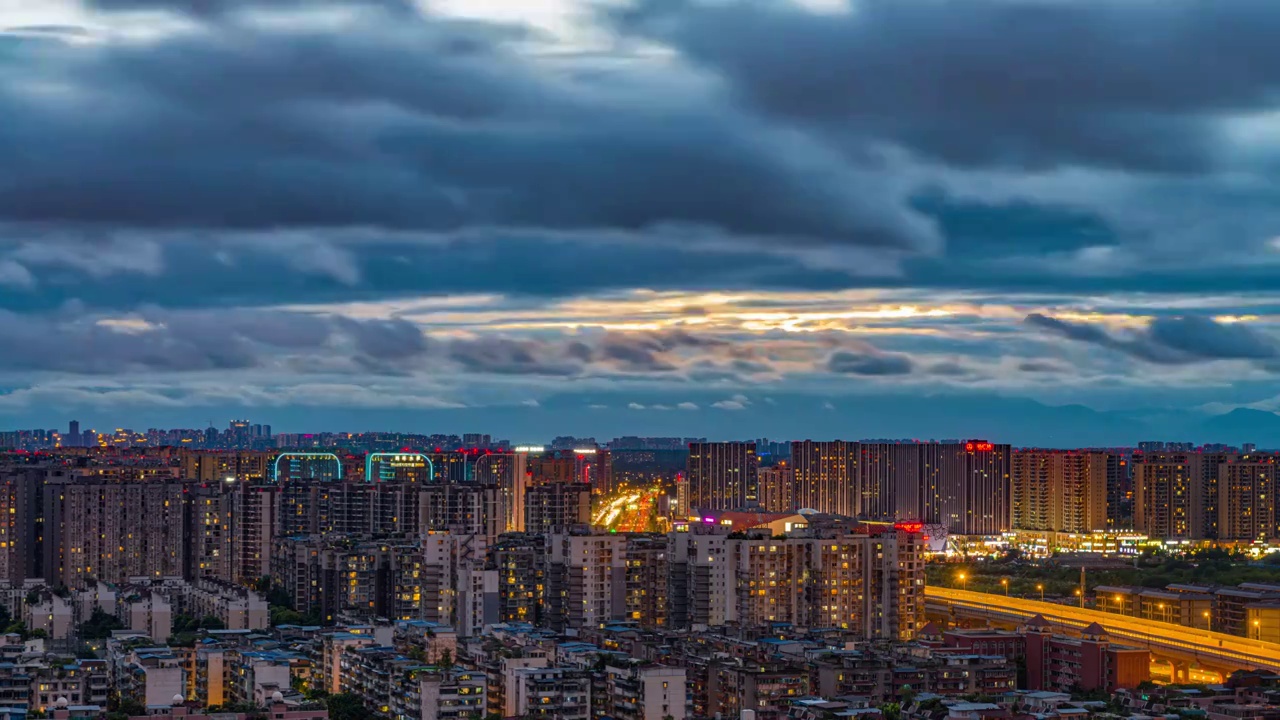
949	369
1081	332
1170	340
1039	366
654	351
403	122
507	356
393	339
1206	338
196	270
213	8
869	363
994	82
500	172
669	353
164	341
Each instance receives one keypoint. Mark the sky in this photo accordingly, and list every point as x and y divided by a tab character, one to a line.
1045	222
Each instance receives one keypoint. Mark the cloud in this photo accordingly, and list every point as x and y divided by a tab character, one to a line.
166	341
15	275
1021	83
1039	366
869	363
687	406
408	122
507	356
393	339
1170	340
530	403
948	369
144	394
635	406
95	254
210	9
1203	337
729	405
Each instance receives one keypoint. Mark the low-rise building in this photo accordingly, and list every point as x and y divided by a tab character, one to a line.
556	692
644	691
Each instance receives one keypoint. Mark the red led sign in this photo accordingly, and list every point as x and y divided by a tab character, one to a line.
910	526
979	447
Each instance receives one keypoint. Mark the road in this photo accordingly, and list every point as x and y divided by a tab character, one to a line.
1228	652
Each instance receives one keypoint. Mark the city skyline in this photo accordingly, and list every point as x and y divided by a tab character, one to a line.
911	421
639	359
633	217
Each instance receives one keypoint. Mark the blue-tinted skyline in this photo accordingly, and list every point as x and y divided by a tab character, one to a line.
996	218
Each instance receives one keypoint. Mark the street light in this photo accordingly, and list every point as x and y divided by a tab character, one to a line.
1005	583
1041	589
1080	595
964	584
1119	607
1208	624
1257	631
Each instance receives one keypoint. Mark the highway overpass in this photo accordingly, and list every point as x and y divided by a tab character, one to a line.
1220	652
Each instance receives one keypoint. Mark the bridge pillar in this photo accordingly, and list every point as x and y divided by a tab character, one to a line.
1223	673
1180	671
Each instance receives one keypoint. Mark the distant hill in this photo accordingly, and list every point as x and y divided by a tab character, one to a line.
1240	426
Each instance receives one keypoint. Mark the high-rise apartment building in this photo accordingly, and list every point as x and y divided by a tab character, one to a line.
890	482
209	531
112	531
1212	465
21	524
1247	500
722	476
1168	490
387	509
217	466
518	560
967	486
1120	494
557	507
777	488
647	571
586	580
701	584
872	584
826	476
1062	491
398	467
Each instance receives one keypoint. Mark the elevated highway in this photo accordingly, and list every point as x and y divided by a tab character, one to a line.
1221	652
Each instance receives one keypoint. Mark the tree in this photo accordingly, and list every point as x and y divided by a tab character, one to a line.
210	622
130	706
99	625
345	706
446	659
277	595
